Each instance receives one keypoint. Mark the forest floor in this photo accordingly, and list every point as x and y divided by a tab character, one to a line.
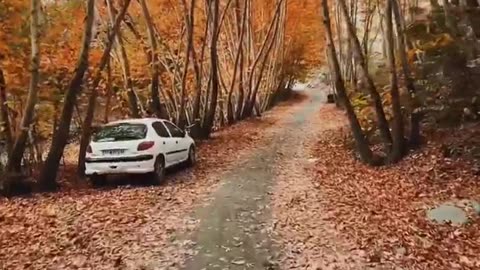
279	192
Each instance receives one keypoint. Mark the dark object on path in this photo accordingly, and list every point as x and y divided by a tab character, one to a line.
330	98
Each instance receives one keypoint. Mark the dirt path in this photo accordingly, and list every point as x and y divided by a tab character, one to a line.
236	227
129	226
238	209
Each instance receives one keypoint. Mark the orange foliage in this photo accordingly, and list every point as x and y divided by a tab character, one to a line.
62	29
304	30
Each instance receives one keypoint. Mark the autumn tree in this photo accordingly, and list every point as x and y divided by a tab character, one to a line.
49	171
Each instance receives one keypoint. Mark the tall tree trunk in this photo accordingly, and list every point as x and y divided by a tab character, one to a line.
398	147
155	83
124	61
48	174
360	59
87	123
252	102
415	118
249	105
132	97
16	155
189	23
5	127
241	91
449	19
210	117
109	92
196	117
238	56
360	140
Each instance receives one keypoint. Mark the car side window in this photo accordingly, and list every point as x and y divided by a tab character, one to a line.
160	130
174	130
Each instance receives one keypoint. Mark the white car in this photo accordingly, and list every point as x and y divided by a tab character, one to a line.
137	146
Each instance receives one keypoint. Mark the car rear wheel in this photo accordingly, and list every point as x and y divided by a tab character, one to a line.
191	156
158	174
98	180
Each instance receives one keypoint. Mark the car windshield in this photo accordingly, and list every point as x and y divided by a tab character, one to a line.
121	132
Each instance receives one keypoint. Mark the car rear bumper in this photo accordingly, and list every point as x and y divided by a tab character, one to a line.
124	165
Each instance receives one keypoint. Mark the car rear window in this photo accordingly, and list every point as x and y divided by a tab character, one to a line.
121	132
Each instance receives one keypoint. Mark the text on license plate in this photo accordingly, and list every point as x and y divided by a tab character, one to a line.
113	152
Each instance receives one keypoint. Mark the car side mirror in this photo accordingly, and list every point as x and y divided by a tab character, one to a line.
188	129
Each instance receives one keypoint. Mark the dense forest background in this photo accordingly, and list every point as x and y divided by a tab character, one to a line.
67	66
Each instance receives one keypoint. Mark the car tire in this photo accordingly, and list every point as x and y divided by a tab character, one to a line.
98	180
192	159
158	174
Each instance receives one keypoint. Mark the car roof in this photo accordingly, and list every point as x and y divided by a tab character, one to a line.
137	121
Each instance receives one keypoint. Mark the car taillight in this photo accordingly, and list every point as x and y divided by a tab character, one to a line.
145	145
89	149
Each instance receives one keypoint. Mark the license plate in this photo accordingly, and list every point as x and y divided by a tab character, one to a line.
112	152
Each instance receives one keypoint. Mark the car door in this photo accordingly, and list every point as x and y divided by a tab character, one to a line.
166	141
181	149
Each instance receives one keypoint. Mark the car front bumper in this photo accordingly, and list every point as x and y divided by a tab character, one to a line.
119	165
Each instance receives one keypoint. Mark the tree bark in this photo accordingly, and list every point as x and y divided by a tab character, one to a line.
414	135
360	140
238	56
5	127
16	155
360	59
241	91
109	92
210	117
398	147
131	95
48	174
449	19
196	117
252	103
154	65
189	23
249	105
87	123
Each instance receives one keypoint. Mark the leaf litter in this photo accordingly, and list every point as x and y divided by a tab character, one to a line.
332	212
128	227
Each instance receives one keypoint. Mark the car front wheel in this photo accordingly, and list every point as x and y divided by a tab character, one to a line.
191	156
158	174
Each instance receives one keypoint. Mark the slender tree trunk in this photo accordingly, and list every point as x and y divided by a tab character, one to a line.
241	91
49	171
155	83
5	127
196	117
238	56
87	123
415	118
189	23
250	100
16	155
124	61
132	97
252	103
449	19
109	92
360	140
398	147
210	117
360	59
